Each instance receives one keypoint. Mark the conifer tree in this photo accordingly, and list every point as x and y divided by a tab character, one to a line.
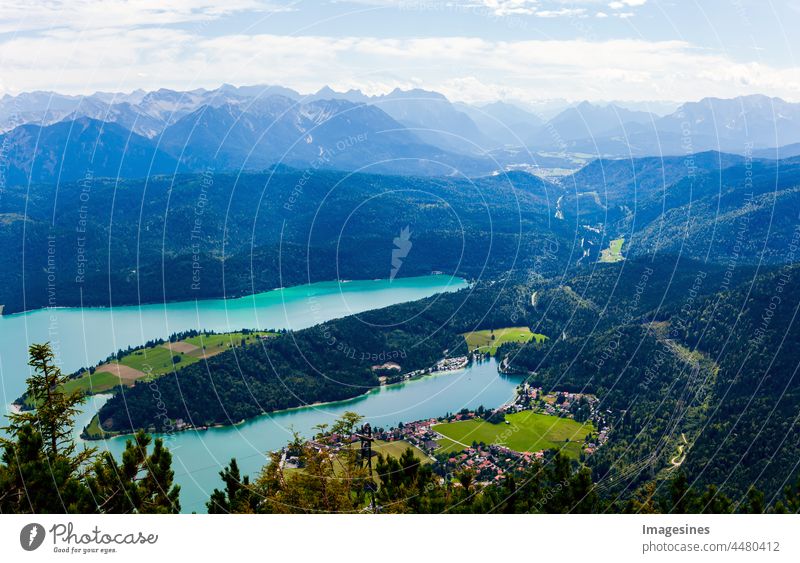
142	483
54	409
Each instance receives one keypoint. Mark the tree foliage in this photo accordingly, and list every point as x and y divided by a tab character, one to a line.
42	471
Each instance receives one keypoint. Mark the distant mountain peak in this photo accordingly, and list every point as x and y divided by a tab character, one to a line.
416	93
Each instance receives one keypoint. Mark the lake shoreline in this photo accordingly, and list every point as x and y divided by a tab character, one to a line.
202	454
310	406
166	302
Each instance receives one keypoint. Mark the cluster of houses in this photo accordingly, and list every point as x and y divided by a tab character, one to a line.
418	433
452	364
491	462
580	406
488	462
446	364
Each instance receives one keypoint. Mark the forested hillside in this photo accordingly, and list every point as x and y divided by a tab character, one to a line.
103	242
751	433
327	362
708	367
711	206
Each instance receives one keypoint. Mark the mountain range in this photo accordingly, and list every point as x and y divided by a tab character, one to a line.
224	133
405	131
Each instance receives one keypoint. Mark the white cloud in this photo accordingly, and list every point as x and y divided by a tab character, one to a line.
510	7
496	8
563	12
540	8
464	68
621	4
25	15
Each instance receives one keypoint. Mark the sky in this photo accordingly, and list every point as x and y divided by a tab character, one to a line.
470	50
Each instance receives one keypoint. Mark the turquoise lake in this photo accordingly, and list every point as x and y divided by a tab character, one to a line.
86	336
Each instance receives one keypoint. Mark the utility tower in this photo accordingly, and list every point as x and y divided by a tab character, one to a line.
366	456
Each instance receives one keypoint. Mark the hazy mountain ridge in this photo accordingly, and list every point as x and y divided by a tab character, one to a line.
252	134
411	132
84	148
738	125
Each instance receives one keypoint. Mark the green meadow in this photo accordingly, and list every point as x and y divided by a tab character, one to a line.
525	432
614	251
155	361
98	382
491	340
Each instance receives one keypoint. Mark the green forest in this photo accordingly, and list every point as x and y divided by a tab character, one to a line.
42	471
666	374
687	339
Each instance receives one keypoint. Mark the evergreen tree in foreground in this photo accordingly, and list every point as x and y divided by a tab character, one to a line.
141	483
54	410
42	470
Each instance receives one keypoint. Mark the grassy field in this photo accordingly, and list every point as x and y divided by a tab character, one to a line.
93	429
449	445
216	343
482	340
156	361
526	432
396	449
95	383
160	358
614	251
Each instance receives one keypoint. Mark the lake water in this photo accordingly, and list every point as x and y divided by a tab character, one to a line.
199	455
86	336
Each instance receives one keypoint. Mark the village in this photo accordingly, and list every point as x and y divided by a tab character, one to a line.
491	460
443	365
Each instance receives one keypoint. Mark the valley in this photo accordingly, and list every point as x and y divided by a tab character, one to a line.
499	308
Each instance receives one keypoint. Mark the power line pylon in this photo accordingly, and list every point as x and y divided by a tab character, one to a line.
366	455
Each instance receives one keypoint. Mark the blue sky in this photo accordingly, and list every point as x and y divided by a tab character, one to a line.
471	50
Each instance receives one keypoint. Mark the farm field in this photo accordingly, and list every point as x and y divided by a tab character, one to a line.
104	379
158	360
97	382
526	432
491	340
165	358
93	428
213	344
614	251
397	448
155	361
